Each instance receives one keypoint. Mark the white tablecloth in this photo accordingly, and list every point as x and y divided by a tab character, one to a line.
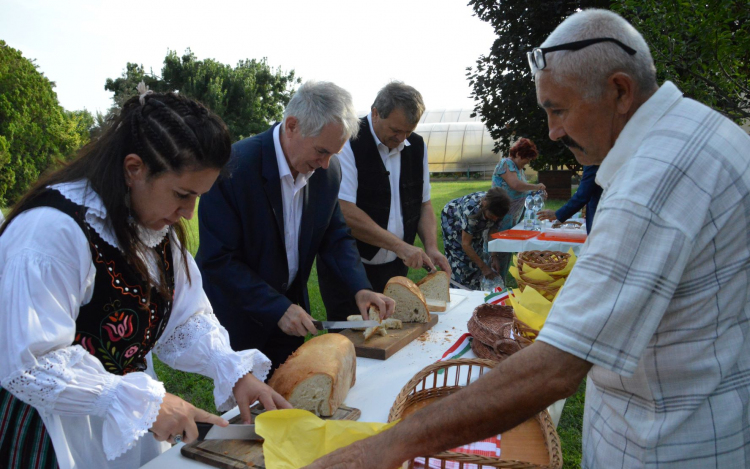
533	244
379	381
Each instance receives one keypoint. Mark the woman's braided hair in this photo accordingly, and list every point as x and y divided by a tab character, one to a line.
170	133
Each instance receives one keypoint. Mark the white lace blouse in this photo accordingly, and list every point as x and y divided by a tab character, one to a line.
94	418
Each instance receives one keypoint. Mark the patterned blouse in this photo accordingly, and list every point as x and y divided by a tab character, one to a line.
513	217
459	215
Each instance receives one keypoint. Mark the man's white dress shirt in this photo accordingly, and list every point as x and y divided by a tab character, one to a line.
291	197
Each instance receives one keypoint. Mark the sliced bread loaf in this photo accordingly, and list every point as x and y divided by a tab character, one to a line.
318	375
436	286
411	305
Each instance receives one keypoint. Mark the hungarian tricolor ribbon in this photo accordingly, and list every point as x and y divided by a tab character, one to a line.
498	297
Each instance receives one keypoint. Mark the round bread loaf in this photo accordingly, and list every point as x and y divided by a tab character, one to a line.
318	375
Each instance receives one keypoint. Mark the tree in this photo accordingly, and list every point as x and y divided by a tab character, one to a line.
502	81
124	88
704	47
248	97
84	123
35	131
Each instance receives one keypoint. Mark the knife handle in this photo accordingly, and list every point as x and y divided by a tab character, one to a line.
318	325
203	429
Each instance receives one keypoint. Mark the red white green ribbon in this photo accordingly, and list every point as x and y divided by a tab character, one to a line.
459	349
498	297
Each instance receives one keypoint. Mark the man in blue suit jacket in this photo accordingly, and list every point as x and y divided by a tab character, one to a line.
588	194
261	227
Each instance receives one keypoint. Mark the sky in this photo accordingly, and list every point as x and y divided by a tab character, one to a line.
357	44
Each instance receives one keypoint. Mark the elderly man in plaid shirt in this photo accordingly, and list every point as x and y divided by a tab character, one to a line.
656	311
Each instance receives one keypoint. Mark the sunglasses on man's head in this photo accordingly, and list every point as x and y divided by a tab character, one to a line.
538	62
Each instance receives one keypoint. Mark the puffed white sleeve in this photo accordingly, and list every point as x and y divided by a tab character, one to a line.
195	341
46	273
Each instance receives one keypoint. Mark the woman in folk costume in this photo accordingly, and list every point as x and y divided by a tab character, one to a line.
94	275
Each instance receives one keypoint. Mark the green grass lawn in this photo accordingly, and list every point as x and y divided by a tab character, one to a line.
199	390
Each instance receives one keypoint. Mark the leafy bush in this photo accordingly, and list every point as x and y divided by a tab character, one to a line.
35	131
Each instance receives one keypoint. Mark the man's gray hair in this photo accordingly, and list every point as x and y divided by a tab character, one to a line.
590	67
316	104
396	94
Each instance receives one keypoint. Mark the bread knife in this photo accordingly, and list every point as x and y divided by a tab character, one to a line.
323	325
207	431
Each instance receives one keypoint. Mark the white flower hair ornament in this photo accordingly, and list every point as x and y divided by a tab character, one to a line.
142	91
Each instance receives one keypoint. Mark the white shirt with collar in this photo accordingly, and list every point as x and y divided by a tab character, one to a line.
392	161
291	200
658	301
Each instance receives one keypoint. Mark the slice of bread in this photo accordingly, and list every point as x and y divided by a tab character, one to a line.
318	375
374	316
436	306
411	305
436	286
389	323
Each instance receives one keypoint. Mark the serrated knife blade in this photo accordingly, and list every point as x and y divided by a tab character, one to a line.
322	325
207	431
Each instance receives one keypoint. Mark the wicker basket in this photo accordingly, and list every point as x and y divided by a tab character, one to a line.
482	350
442	379
497	332
548	261
487	320
516	336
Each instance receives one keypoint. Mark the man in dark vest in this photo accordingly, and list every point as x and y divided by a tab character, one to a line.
385	197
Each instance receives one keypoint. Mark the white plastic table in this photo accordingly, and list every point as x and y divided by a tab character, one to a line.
379	381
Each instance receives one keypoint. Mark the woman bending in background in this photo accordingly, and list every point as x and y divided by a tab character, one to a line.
464	222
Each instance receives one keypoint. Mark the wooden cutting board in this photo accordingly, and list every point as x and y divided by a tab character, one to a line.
382	347
243	454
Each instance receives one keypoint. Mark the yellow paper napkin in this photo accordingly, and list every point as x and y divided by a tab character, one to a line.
295	438
537	275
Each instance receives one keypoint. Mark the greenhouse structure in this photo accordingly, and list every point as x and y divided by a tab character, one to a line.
456	142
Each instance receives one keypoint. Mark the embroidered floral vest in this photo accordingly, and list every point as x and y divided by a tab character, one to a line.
119	326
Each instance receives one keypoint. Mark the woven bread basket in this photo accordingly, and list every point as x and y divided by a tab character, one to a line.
497	332
487	320
548	261
444	378
485	351
516	335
